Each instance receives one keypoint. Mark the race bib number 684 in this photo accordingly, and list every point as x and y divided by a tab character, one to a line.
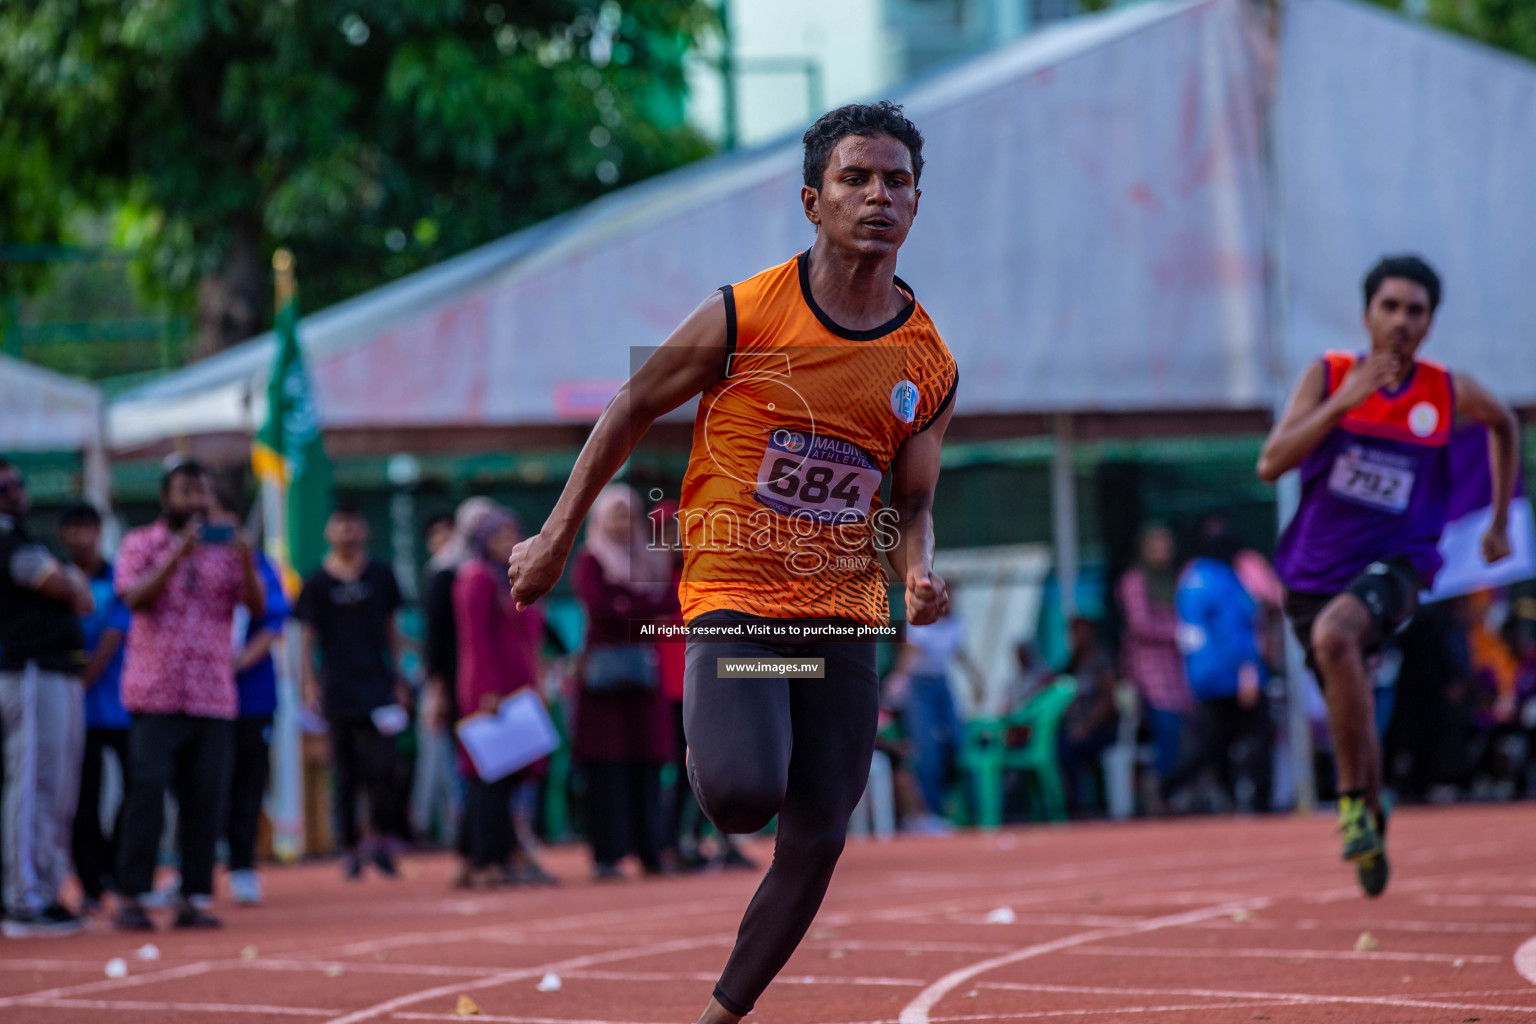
823	477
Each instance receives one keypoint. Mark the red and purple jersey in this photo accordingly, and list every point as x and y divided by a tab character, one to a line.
1377	487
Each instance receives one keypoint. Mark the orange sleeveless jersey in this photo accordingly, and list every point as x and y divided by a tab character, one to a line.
781	513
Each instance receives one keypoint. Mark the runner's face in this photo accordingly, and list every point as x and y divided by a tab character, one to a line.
867	198
1398	317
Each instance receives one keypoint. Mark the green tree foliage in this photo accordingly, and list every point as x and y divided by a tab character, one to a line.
372	137
1507	24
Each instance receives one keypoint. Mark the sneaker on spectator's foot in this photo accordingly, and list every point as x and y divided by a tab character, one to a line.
351	867
245	887
131	918
164	895
529	872
385	863
190	915
606	871
53	921
90	905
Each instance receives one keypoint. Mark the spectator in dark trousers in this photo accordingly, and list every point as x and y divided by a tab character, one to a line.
42	652
1217	633
623	731
498	656
106	721
256	681
347	615
182	578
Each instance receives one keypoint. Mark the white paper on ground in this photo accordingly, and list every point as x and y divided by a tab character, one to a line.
518	734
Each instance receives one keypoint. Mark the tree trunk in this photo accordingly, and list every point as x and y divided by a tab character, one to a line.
231	303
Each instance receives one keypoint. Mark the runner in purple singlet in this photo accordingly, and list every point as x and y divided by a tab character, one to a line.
1370	433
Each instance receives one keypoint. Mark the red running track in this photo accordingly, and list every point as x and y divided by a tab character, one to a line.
1208	922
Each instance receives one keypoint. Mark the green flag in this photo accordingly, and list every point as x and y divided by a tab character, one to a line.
289	454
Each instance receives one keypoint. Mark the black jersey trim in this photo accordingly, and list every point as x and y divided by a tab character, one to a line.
949	399
804	260
730	328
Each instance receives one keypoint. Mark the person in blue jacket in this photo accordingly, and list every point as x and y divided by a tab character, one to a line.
1218	636
256	679
93	848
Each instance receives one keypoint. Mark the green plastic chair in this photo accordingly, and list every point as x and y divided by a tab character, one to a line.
1037	759
986	757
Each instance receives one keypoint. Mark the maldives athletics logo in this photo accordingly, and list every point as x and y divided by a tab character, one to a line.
904	397
1423	419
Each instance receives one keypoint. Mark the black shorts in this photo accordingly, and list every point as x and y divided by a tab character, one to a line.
1389	590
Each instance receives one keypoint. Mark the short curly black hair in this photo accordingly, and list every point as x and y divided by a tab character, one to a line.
866	119
1412	268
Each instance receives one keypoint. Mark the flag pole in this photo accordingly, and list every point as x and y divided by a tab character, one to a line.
285	800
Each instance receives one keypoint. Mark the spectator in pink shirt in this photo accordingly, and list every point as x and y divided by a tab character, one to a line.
181	577
498	656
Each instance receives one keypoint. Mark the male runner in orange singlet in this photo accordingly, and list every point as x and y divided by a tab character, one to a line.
819	377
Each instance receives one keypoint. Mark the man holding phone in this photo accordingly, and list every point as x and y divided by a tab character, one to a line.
181	577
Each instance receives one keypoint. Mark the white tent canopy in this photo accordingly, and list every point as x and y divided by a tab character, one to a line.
1097	233
49	412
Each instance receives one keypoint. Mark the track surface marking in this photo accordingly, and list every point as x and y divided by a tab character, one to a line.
1204	921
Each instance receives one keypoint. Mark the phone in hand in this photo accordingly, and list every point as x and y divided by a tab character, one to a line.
216	533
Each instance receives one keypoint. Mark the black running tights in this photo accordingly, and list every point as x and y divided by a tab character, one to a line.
799	749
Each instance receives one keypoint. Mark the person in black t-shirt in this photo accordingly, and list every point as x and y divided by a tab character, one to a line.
42	651
347	616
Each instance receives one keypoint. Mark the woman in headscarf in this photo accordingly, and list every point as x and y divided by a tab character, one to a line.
623	730
498	655
1149	645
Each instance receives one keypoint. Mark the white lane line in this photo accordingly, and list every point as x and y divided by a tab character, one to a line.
1478	900
1202	952
1293	998
1354	926
916	1012
170	974
523	973
371	967
783	979
1525	960
514	1020
125	1004
1112	1012
921	947
91	966
522	929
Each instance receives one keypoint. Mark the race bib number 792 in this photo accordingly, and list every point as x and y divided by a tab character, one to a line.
1374	482
821	477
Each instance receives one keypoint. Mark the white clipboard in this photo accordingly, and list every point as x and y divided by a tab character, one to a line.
518	734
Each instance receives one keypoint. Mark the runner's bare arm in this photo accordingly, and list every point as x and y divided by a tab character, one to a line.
1310	416
1475	403
689	361
915	474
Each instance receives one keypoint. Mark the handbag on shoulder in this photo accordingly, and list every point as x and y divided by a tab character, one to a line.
620	668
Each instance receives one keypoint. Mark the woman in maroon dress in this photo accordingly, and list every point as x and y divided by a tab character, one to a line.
623	731
498	649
